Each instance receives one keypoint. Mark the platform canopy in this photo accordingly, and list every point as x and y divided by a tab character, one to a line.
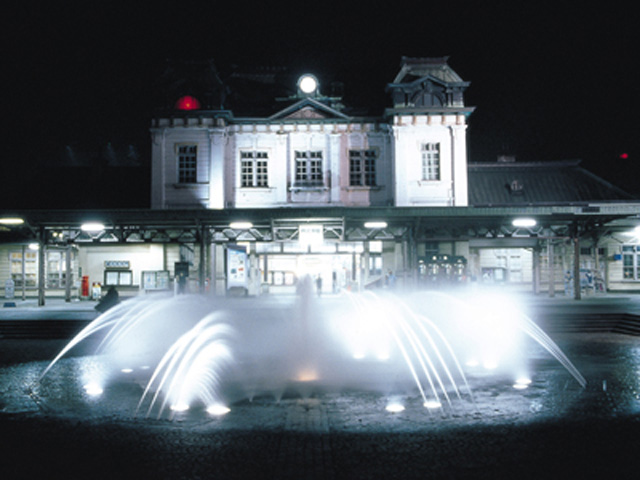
339	223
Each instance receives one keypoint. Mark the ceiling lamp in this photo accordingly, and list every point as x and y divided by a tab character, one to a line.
92	227
11	221
524	222
241	225
376	224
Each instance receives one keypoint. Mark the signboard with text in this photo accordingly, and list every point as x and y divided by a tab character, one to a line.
237	267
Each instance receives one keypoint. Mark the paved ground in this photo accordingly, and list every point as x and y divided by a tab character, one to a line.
554	429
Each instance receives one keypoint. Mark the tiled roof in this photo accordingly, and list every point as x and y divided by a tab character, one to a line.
513	183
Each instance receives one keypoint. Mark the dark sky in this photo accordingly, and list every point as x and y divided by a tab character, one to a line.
548	83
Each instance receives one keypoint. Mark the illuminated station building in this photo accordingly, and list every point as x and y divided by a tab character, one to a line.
266	177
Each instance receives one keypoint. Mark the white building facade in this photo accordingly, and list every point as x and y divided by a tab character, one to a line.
312	153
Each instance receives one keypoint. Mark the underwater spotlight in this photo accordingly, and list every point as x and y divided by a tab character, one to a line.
93	389
394	407
218	409
522	383
432	404
179	407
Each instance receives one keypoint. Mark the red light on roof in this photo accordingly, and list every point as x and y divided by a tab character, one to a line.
624	156
188	103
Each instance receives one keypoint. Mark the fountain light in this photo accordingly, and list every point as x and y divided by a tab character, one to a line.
522	383
394	407
127	370
307	375
217	409
432	404
383	356
490	364
179	407
93	389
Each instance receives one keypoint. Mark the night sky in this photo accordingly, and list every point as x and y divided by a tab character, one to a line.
548	83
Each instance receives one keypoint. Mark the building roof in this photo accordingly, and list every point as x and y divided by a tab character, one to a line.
538	183
436	67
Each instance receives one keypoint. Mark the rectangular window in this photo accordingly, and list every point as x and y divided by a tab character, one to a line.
30	268
253	169
631	262
187	163
308	168
362	168
118	277
431	161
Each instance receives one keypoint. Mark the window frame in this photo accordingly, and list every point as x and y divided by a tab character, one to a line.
630	263
363	167
308	168
30	267
430	166
187	163
254	169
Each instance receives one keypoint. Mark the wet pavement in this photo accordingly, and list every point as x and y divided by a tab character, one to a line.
553	429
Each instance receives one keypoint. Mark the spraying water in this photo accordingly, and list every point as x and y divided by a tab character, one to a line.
192	350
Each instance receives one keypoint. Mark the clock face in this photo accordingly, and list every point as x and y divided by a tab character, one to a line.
308	84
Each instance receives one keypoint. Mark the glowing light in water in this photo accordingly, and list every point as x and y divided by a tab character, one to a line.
196	359
179	407
307	375
93	389
218	409
522	383
394	407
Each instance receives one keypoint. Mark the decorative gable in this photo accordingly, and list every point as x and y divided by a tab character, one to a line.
308	109
307	112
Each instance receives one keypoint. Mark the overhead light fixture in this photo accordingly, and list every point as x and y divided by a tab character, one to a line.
375	225
524	222
308	84
241	225
11	221
92	227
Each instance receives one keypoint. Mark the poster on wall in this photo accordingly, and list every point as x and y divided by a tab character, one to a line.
237	266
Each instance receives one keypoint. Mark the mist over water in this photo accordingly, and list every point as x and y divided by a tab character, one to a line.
190	351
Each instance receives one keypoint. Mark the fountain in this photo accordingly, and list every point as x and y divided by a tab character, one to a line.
191	351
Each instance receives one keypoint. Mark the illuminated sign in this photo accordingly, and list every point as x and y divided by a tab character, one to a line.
117	264
237	266
310	234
